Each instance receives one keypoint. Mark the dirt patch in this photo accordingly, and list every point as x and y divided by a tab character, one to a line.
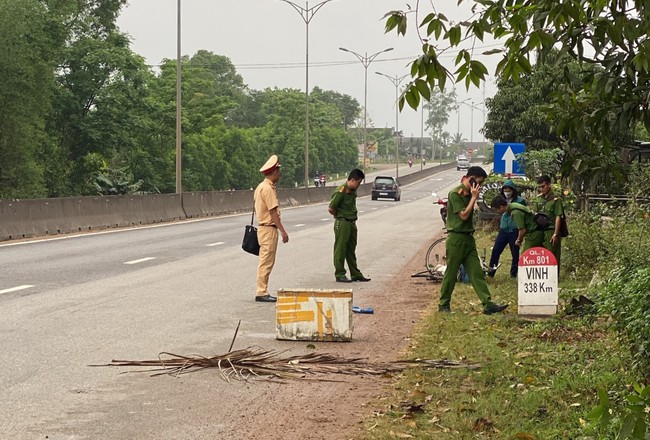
321	410
567	335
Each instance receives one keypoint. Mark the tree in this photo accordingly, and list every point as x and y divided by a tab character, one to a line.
457	140
594	109
347	105
516	113
519	112
331	149
26	64
211	89
438	107
385	138
100	86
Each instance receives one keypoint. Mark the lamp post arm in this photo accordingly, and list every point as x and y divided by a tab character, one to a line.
306	13
372	57
315	9
359	56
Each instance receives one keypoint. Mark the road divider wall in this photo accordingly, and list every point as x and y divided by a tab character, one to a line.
21	219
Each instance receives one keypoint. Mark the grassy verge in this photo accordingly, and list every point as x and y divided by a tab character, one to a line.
538	378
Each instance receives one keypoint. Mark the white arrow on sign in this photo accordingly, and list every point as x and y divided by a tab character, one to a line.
509	158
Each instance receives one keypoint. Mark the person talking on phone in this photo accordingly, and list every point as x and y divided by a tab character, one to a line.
460	243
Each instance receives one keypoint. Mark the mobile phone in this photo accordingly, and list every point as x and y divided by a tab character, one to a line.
472	182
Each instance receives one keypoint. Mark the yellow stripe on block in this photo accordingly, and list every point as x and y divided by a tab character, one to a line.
291	317
288	307
292	299
304	296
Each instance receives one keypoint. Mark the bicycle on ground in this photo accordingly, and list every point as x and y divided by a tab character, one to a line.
435	260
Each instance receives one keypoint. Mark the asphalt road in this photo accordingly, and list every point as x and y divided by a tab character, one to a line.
69	302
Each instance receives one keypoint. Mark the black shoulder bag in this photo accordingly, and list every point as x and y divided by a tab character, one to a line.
250	243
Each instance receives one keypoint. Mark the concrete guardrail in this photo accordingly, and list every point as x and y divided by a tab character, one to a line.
21	219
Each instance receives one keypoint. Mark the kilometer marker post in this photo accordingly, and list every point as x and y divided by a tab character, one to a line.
537	282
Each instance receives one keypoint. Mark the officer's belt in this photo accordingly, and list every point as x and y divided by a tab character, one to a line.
346	219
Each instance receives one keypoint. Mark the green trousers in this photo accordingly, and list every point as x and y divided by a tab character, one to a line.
533	239
555	249
345	246
461	249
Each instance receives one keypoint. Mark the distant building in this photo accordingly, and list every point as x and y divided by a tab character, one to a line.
476	146
412	145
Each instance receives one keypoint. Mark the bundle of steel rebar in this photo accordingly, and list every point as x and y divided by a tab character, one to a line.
253	363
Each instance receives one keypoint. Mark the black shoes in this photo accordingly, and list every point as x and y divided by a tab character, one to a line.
494	308
266	299
348	280
489	310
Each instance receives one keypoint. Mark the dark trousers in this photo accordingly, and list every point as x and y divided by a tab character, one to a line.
461	249
345	245
505	239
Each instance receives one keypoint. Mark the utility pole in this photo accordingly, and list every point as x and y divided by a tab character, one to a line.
396	82
179	104
365	61
306	14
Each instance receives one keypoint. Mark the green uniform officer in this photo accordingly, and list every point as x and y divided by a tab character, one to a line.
460	244
528	235
343	206
551	205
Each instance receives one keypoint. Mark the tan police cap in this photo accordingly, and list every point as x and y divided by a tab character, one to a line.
270	165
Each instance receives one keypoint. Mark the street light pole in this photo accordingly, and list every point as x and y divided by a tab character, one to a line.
421	136
179	107
472	107
396	82
471	130
306	14
458	111
365	60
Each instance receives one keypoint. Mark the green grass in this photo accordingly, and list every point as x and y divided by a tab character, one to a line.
538	378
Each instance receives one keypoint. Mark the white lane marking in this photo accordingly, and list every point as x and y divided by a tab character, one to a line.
360	212
216	244
324	219
140	260
298	225
374	208
14	289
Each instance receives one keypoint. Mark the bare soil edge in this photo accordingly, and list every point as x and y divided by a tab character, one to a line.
324	410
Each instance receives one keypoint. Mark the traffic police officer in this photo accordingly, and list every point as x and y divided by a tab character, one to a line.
343	206
267	209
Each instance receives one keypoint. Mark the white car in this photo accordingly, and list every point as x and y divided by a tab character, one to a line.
462	163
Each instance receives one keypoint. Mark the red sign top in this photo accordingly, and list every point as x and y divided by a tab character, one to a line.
537	256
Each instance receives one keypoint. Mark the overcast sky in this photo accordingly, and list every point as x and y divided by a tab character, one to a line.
265	40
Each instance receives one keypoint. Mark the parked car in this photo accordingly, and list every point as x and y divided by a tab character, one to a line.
462	163
386	187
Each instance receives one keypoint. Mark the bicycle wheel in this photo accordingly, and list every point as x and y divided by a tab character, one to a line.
436	259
